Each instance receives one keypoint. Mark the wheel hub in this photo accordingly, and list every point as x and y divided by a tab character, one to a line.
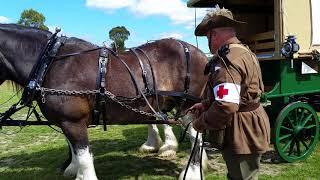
297	130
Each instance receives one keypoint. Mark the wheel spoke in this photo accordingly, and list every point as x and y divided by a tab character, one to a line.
291	148
287	145
291	122
284	137
305	145
296	113
301	115
286	128
310	126
306	119
298	147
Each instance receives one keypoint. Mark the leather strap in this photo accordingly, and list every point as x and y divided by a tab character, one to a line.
250	107
100	104
256	64
188	57
147	84
39	70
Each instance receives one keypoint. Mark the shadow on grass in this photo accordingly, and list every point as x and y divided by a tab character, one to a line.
113	159
272	157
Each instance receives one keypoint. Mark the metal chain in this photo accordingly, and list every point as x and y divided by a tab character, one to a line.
114	98
44	91
68	92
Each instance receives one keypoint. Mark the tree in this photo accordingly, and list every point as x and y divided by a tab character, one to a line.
118	35
32	18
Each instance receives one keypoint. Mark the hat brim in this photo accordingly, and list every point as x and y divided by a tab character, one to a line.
216	22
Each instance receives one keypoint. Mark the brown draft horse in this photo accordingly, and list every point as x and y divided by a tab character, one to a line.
19	51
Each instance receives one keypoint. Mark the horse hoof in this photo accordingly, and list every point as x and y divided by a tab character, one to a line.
168	151
80	177
87	176
205	161
192	174
148	149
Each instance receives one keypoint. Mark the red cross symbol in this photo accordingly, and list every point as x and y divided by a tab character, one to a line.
221	91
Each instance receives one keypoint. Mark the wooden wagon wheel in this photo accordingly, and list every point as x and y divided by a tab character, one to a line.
297	131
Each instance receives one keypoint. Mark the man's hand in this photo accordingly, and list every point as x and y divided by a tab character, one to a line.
198	125
196	109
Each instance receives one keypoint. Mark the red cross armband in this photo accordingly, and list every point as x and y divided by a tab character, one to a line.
227	92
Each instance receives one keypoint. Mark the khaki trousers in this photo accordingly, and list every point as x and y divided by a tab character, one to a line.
241	166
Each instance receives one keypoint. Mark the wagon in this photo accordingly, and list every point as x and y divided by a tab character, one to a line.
285	36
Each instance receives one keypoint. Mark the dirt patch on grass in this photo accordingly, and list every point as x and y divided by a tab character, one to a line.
271	164
7	162
216	163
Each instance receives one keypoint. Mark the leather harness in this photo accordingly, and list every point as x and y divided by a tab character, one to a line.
49	53
40	69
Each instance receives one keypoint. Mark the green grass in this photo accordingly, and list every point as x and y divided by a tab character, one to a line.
37	152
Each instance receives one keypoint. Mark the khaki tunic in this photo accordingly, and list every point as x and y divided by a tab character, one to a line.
247	132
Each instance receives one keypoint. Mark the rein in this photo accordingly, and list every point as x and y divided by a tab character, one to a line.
62	57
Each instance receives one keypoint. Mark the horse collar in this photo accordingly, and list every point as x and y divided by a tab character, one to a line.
39	70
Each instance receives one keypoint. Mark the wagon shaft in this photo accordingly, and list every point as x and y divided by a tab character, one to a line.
31	123
24	123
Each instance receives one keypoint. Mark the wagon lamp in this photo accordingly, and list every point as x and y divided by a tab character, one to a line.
289	48
57	29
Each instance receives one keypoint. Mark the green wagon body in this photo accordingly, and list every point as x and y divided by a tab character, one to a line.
292	85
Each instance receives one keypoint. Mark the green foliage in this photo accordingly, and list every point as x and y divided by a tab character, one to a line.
119	35
32	18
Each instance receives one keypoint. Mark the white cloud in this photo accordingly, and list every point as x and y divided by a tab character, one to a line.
4	19
171	35
176	10
110	4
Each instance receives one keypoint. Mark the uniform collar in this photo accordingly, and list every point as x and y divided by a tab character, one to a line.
233	40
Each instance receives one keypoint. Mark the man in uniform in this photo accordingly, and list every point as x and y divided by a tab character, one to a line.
232	106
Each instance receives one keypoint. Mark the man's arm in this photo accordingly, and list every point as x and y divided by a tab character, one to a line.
226	91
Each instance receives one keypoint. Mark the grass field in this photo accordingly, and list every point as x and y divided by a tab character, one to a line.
37	152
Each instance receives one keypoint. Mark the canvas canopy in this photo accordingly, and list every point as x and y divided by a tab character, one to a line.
271	21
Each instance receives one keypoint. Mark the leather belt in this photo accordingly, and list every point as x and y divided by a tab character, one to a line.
250	107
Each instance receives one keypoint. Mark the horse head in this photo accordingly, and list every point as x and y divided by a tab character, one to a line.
19	50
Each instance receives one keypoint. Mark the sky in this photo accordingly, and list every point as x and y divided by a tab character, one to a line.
92	20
